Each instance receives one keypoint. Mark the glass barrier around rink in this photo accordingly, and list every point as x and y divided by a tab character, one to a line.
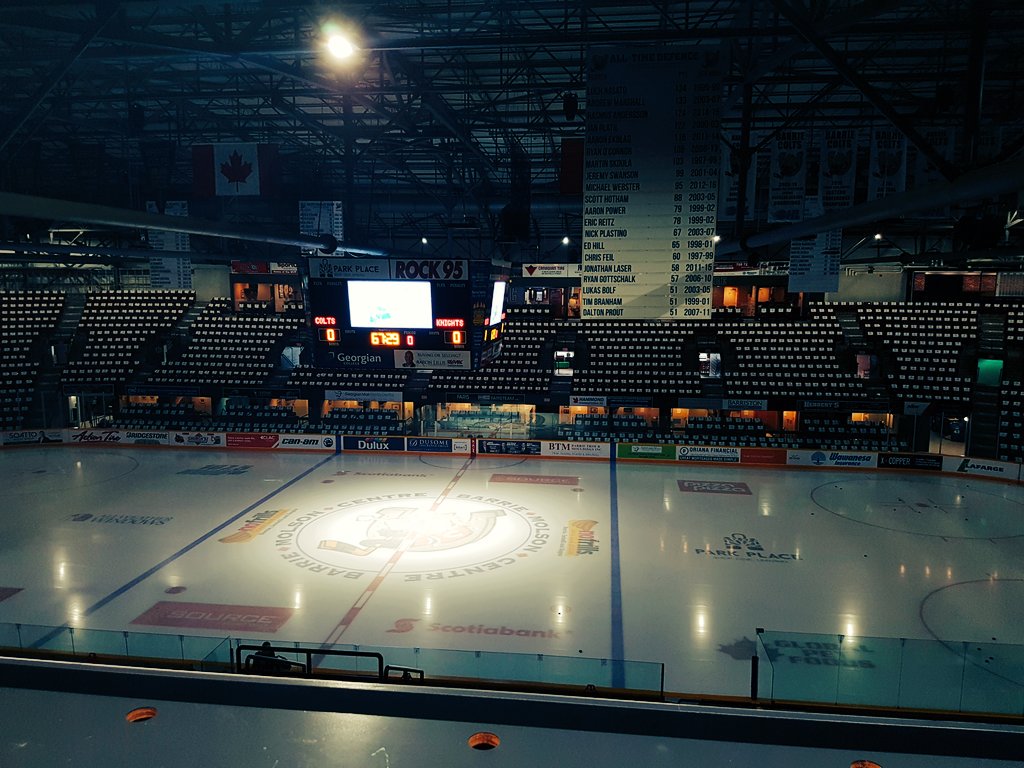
897	673
215	654
113	645
491	666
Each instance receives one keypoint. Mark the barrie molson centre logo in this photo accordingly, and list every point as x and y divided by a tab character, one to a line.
463	536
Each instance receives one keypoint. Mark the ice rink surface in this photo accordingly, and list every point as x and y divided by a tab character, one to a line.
652	562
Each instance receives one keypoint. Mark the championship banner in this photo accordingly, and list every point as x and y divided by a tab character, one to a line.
169	271
814	260
837	172
887	172
322	217
729	182
787	181
942	140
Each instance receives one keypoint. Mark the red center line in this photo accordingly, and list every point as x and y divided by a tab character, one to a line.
403	547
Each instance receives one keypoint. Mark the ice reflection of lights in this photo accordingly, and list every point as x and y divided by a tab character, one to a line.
702	620
74	613
766	509
298	599
949	573
928	571
560	609
428	605
903	569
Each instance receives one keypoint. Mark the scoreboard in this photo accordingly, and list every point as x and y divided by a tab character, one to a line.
405	313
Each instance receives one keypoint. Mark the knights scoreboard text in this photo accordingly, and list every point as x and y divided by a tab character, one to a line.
405	313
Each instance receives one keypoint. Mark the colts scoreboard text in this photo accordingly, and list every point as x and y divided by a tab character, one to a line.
405	313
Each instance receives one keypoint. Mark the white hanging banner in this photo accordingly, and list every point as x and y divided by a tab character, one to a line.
649	217
887	172
787	184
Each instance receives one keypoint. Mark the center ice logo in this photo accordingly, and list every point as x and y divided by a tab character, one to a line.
412	536
405	527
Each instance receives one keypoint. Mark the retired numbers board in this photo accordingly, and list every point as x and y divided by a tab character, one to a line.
650	187
405	313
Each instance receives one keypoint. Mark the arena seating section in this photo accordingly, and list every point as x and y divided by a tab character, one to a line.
118	330
27	320
229	349
925	352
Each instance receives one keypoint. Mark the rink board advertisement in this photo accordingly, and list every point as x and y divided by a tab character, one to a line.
307	442
429	445
198	439
571	450
118	437
704	454
509	447
914	461
651	452
260	440
763	457
1002	470
852	459
349	443
32	437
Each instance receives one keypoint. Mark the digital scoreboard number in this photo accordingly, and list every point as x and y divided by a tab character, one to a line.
405	313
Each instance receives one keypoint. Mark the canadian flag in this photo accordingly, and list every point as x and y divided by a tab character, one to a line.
232	169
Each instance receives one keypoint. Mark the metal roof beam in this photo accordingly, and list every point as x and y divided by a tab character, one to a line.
806	28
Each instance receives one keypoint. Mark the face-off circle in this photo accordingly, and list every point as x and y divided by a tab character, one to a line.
940	507
44	470
990	608
462	535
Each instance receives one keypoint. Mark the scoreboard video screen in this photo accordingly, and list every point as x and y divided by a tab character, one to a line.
405	313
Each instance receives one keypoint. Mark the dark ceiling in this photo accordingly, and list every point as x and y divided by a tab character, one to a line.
104	101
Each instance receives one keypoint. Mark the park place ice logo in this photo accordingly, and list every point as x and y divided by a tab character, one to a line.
741	541
739	546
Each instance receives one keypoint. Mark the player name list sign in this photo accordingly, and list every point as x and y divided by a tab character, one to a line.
650	189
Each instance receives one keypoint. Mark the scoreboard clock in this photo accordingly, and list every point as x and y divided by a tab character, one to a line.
405	313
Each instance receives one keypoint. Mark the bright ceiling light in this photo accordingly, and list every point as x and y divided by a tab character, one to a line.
340	46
